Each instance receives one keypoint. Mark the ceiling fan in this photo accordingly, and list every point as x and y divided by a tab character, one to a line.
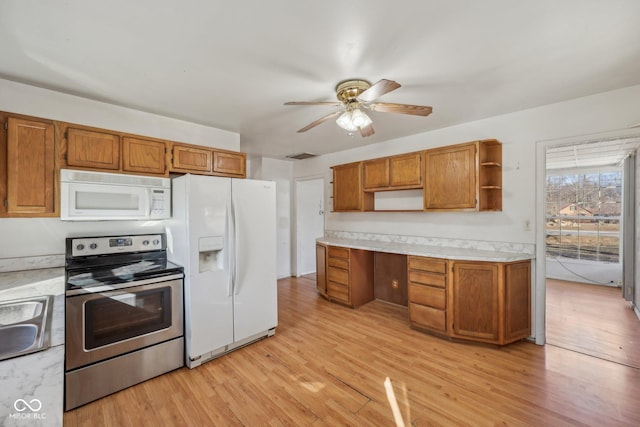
356	95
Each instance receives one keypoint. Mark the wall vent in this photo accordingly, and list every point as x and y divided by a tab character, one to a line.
301	156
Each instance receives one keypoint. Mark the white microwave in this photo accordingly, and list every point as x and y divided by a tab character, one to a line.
93	196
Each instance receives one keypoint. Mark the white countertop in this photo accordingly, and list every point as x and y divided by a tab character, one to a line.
36	378
452	253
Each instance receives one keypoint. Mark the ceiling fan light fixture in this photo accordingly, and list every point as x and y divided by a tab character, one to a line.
352	120
345	122
360	119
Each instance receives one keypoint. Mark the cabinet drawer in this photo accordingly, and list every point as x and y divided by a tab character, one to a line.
339	262
336	252
338	275
338	291
427	295
428	264
424	278
433	318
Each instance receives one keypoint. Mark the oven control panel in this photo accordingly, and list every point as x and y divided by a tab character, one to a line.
87	246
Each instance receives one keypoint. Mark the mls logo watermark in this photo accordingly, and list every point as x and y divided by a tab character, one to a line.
28	410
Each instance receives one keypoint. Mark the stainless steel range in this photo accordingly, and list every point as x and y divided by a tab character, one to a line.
124	314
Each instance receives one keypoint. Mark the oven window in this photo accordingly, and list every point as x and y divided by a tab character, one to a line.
117	318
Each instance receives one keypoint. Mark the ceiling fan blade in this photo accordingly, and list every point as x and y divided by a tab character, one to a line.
336	103
378	89
415	110
319	121
367	131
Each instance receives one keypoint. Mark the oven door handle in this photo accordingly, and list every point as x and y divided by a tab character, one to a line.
125	285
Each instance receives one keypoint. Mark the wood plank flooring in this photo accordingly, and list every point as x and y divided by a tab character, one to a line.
594	320
327	365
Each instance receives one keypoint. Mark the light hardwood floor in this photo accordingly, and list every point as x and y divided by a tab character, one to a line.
594	320
327	366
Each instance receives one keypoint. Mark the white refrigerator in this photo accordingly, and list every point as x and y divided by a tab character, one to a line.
223	232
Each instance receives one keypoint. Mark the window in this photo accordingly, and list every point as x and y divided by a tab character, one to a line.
583	215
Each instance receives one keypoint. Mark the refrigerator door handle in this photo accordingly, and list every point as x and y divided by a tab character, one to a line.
236	287
230	249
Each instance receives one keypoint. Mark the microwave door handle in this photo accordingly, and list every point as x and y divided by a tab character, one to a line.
150	201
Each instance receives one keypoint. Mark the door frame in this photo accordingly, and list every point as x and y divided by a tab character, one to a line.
540	287
298	243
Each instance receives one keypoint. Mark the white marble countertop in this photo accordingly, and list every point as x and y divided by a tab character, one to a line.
36	378
453	253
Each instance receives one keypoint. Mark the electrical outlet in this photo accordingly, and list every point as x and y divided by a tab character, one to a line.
394	284
526	225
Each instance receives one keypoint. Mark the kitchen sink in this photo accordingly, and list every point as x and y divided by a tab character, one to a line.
16	312
25	325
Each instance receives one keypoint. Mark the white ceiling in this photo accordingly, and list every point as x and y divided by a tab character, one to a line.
233	64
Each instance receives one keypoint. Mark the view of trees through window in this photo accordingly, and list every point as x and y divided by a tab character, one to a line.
583	215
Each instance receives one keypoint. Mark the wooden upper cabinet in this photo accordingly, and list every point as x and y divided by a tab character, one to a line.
93	149
376	174
192	159
399	172
490	175
141	155
225	162
406	170
348	194
451	178
31	172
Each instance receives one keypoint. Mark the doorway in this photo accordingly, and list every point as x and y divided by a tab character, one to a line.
309	223
588	252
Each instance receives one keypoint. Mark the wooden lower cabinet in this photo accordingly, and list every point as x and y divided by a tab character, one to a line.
491	302
478	301
349	275
467	300
321	269
475	301
427	294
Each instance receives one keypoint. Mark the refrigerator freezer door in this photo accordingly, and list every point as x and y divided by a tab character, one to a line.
208	303
256	292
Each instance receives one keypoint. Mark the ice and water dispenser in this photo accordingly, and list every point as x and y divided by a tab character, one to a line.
211	253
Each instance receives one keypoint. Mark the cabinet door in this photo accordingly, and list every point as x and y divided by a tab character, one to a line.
376	173
321	269
229	163
30	168
347	187
191	159
451	177
91	149
405	170
141	155
475	301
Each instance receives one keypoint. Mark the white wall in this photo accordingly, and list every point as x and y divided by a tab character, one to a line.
38	102
518	132
280	171
33	237
576	270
